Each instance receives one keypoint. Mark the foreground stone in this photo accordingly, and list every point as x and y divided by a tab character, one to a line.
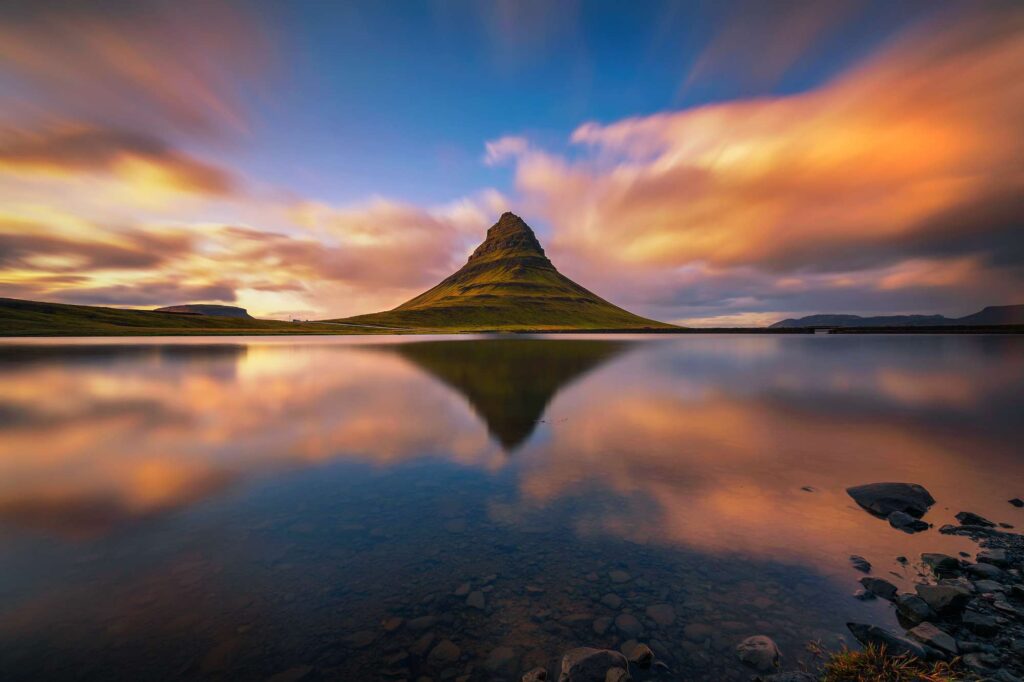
947	600
926	633
967	518
591	665
907	523
759	652
880	587
882	499
894	644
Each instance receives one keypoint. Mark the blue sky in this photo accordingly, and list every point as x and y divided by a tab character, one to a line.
706	163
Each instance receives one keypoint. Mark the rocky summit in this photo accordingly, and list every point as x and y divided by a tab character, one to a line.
508	283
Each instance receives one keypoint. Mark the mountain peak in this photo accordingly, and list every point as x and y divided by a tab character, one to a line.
510	236
507	284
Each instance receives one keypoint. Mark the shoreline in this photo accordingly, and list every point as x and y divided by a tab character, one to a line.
1006	330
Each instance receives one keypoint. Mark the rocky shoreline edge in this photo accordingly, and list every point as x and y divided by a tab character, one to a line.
964	620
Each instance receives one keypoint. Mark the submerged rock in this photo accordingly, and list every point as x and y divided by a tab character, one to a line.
628	625
860	563
880	587
894	644
759	652
446	651
941	564
641	656
586	664
662	614
906	523
971	519
1017	502
882	499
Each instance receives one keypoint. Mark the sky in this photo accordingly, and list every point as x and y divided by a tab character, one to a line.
701	163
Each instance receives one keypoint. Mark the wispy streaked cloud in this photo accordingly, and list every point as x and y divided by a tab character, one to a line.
865	183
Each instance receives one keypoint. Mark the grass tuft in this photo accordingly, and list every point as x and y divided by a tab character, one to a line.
873	664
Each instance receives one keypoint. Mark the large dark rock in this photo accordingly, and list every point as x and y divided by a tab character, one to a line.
882	499
913	609
586	664
895	645
926	633
944	599
906	523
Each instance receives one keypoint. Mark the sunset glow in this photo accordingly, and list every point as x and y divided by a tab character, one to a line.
871	162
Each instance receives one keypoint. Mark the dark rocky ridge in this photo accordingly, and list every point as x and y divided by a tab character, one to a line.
991	315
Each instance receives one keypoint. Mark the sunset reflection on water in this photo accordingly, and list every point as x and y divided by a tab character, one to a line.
699	444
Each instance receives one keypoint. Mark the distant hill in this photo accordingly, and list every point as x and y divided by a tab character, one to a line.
33	318
508	283
992	315
207	309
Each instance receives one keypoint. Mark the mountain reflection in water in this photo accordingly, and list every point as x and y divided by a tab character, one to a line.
217	473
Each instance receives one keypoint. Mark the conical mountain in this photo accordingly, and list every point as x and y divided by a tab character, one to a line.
508	283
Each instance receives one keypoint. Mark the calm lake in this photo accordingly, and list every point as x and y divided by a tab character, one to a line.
339	508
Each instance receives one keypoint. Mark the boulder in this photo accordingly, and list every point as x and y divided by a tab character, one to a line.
895	645
1017	502
979	623
759	652
944	599
882	499
986	572
913	609
996	557
536	675
586	664
926	633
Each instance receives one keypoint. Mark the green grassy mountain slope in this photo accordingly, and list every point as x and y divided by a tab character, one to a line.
508	284
32	318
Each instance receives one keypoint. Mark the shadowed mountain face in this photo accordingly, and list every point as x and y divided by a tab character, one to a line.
509	382
508	283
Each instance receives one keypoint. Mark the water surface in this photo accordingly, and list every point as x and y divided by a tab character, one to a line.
238	508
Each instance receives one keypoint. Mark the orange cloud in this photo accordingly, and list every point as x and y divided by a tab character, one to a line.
914	154
129	157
